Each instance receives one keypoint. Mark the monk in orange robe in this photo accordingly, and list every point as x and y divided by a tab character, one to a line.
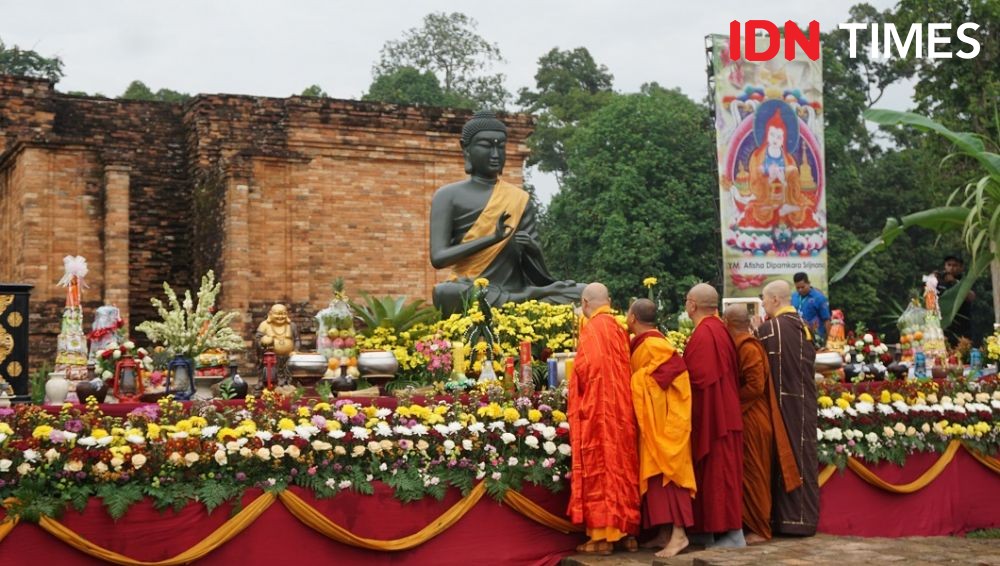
604	485
661	394
716	422
764	433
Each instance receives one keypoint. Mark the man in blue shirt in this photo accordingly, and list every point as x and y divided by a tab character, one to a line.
812	305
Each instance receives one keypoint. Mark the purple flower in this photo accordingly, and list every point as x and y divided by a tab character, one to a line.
57	436
240	476
840	448
359	419
294	472
2	483
125	477
319	421
81	475
6	412
150	412
75	425
545	408
337	467
522	402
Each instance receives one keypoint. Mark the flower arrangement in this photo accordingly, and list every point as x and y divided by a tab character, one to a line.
212	453
546	326
108	357
188	329
895	418
437	353
865	347
993	346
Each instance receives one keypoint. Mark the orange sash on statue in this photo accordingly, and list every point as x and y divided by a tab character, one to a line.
505	198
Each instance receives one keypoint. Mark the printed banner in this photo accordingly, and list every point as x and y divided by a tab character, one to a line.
772	182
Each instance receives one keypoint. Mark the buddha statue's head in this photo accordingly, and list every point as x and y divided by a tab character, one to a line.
484	145
278	315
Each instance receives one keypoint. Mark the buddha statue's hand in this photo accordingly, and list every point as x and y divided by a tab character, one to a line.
266	341
527	242
503	230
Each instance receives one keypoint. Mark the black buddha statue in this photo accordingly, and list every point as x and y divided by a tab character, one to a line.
486	227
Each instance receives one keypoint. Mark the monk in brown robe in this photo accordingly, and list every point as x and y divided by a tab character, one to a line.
716	422
604	486
792	356
661	394
764	434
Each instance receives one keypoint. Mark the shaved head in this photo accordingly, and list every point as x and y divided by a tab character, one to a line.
644	311
737	317
780	290
777	294
702	301
704	296
594	296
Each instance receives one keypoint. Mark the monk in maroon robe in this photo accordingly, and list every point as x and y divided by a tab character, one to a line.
716	421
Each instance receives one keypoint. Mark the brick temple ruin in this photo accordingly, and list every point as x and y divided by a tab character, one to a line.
278	195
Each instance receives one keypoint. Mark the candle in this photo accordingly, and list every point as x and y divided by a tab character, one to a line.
569	370
458	360
553	373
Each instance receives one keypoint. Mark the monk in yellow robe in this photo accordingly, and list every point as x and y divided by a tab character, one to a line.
604	484
661	395
764	432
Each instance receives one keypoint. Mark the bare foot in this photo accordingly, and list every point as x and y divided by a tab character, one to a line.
674	547
659	541
754	538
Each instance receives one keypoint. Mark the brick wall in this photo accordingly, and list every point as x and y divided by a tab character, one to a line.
279	196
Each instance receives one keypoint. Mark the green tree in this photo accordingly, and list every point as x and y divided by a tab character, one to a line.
28	63
407	85
570	86
137	90
314	91
639	198
448	46
973	210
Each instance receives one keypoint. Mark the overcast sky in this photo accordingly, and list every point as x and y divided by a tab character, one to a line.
273	48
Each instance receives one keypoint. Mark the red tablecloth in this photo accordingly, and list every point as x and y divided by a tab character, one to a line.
965	497
490	533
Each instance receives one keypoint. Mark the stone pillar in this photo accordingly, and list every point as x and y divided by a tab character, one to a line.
116	237
236	276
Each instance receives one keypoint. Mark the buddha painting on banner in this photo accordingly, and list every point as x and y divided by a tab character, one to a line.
769	126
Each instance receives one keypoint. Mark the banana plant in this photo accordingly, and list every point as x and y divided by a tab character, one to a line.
973	210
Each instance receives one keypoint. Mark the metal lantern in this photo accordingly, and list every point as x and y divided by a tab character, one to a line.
128	384
180	378
270	361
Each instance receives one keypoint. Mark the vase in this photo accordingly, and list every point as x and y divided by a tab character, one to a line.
95	388
56	388
343	382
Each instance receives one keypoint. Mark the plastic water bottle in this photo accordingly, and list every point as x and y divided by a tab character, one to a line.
976	363
920	365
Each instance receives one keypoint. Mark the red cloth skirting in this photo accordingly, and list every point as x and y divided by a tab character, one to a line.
489	533
666	504
965	497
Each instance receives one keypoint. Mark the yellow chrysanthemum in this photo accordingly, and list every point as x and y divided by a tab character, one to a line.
286	424
558	416
649	282
41	431
825	401
534	415
481	282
